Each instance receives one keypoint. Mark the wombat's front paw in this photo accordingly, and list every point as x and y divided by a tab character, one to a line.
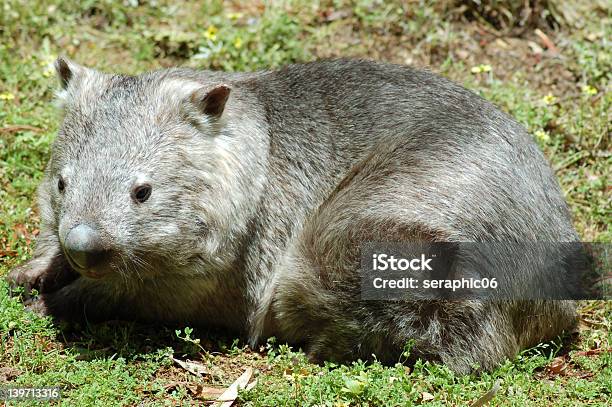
28	276
42	274
37	305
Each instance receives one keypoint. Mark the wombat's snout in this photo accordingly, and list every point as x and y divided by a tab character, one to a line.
84	247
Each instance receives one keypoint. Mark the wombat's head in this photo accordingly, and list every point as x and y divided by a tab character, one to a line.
149	174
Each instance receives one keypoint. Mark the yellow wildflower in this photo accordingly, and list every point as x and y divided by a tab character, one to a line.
46	61
211	33
234	16
238	43
7	96
481	68
549	99
542	136
589	90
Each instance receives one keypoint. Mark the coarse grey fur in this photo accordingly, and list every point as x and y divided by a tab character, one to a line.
263	192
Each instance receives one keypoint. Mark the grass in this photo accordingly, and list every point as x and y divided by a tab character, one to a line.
560	93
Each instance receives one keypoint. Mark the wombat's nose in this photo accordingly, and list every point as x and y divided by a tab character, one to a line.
84	247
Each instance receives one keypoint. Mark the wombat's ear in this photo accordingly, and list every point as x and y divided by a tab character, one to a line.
66	71
211	101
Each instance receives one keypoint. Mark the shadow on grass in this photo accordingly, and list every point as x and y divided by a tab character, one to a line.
131	340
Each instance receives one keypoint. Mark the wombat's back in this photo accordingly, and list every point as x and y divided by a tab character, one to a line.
327	117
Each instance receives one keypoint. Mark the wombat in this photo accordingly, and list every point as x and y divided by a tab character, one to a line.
240	200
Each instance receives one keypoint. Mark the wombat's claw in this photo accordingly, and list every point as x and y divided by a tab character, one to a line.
27	277
41	274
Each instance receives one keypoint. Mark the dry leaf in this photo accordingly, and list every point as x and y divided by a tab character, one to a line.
229	396
488	396
203	392
8	374
251	385
427	396
194	368
558	366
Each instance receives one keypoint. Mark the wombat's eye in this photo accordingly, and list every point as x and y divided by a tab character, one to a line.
141	193
60	184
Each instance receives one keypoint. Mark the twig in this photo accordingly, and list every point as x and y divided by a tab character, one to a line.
571	160
19	127
546	41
